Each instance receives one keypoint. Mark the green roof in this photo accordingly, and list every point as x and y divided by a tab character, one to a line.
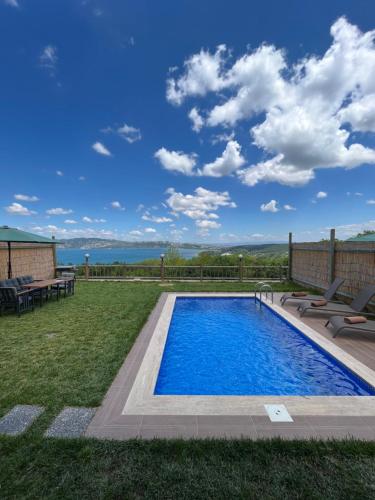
17	236
363	237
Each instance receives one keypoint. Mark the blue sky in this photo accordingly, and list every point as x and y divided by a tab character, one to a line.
189	120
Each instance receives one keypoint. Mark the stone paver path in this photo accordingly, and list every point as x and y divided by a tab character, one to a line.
71	423
17	420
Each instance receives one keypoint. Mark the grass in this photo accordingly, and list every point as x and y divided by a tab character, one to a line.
68	353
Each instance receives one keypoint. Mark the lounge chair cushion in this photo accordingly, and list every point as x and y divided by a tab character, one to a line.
319	303
353	320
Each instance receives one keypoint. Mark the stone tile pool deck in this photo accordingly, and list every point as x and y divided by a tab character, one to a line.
354	419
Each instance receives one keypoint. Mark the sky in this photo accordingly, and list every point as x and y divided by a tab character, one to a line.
188	121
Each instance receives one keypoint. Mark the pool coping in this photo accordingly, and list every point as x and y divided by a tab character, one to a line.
130	409
142	400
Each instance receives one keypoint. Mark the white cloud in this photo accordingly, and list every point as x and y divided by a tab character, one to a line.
202	75
135	233
360	114
222	137
274	171
59	173
227	163
101	149
140	207
117	205
199	206
348	230
271	206
370	202
48	59
59	211
81	178
176	161
196	119
25	197
300	109
150	230
129	133
70	221
89	220
11	3
257	83
86	232
207	224
289	207
321	194
18	209
153	218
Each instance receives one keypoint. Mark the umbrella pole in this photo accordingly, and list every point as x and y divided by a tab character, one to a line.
9	262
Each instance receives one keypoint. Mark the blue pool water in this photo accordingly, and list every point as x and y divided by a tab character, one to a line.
229	346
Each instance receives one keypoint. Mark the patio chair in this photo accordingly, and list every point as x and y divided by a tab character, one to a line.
357	305
11	283
339	324
18	301
67	287
25	280
328	294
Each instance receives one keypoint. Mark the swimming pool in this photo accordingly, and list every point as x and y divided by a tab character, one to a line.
231	346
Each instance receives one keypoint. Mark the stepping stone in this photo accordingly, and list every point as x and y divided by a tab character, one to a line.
19	419
71	423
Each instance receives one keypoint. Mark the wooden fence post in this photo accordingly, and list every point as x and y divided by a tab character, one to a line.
201	273
87	266
162	267
290	257
54	257
331	257
241	267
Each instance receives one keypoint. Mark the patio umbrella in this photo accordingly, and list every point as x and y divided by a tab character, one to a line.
11	235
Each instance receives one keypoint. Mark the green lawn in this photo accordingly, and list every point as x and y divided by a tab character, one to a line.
67	354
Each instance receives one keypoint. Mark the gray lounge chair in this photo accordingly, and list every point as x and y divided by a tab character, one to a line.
333	308
328	294
339	324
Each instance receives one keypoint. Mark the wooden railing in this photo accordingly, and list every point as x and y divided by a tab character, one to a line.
174	273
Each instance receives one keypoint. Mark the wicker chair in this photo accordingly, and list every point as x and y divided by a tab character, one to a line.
19	301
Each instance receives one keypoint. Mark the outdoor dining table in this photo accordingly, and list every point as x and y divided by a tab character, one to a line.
39	286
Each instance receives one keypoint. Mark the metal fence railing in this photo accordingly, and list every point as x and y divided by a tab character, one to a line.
183	272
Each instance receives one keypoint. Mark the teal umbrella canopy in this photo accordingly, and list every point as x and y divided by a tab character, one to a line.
11	235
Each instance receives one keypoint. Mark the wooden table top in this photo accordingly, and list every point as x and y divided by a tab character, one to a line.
46	283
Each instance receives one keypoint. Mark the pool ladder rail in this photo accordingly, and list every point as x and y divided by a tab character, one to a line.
262	287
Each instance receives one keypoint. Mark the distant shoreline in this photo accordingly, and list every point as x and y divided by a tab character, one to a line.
133	255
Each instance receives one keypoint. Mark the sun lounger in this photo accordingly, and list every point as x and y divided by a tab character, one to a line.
328	294
339	324
333	308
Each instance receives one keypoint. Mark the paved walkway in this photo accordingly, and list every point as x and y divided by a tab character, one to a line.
69	423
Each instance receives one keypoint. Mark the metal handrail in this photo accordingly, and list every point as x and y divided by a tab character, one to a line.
268	288
263	287
260	283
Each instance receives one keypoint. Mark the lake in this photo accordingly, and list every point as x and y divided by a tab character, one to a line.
109	255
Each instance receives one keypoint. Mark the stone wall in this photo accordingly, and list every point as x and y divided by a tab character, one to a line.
33	259
354	261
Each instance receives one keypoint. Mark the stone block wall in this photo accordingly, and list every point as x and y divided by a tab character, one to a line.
33	259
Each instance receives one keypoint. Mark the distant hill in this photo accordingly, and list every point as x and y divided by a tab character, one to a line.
266	249
88	243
